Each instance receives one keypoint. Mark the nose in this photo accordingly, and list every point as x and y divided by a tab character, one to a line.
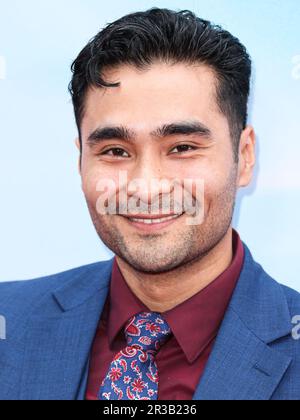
148	181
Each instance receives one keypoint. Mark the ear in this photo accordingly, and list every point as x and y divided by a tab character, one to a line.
77	143
246	156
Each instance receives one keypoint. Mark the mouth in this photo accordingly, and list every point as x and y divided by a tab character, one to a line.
150	223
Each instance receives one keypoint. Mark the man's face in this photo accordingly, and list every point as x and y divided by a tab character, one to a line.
146	100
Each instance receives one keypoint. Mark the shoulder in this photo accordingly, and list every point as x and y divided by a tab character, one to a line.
15	295
293	301
293	298
276	292
289	388
259	285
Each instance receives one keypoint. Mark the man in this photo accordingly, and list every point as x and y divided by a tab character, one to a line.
182	311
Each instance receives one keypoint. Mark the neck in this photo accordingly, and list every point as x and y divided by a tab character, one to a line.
164	291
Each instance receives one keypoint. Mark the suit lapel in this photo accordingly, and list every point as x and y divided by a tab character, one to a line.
58	344
243	365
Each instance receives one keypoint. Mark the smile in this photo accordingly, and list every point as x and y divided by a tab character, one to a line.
150	224
154	220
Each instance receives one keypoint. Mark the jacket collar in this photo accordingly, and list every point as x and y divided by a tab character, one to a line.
84	285
243	365
260	302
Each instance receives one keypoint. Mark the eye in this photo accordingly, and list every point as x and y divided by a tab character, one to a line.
182	148
115	152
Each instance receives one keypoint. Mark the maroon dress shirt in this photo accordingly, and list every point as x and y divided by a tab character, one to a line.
194	323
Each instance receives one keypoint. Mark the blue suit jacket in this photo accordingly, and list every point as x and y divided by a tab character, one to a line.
51	323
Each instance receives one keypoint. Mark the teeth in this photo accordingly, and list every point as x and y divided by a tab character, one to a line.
153	221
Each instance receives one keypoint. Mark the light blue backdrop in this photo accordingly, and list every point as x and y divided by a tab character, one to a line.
44	223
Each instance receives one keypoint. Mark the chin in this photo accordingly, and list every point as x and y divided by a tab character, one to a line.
155	268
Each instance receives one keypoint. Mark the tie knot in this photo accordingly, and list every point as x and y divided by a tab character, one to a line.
147	331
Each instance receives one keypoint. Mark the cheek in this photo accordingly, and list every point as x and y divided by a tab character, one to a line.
91	178
89	183
99	185
204	174
213	184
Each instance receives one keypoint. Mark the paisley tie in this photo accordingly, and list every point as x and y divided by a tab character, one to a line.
133	373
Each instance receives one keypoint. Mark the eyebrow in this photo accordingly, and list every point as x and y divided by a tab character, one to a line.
123	133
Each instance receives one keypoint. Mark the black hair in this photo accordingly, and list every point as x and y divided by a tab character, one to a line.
141	38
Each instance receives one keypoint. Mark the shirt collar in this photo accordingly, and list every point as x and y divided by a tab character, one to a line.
195	322
123	304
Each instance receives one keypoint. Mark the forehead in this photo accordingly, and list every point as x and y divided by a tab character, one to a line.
145	98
